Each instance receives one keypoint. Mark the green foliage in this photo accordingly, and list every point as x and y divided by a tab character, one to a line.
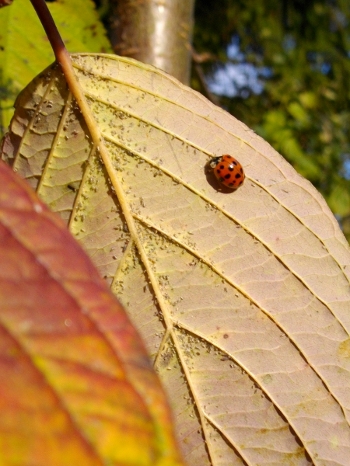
304	109
25	50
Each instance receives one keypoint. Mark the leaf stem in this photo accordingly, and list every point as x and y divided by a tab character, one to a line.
63	58
51	30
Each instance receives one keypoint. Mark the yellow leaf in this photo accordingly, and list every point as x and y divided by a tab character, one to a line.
242	297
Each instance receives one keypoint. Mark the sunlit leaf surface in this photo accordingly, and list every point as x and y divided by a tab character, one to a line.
242	297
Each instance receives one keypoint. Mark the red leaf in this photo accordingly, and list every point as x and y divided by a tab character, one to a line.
76	383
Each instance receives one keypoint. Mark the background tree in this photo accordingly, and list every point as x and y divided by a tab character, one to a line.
154	33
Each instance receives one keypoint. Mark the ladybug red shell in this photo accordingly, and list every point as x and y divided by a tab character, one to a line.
228	171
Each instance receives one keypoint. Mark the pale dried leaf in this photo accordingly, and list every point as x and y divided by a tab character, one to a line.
243	298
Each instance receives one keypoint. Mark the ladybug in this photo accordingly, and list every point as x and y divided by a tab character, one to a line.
228	171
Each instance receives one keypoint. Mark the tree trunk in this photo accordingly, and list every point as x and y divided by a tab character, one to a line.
157	32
